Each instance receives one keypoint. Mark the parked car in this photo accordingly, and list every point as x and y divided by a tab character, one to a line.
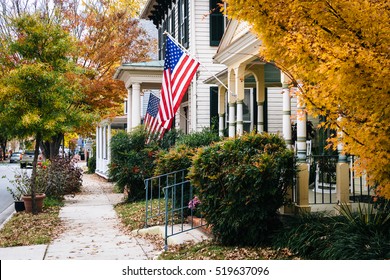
28	158
15	157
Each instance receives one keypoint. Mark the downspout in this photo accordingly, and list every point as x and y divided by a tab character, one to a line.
194	119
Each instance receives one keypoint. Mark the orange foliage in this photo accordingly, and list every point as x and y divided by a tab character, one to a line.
339	51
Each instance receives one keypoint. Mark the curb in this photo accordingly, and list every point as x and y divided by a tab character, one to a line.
10	216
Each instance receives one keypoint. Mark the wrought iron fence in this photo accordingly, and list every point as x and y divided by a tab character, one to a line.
322	179
154	197
179	214
169	195
360	190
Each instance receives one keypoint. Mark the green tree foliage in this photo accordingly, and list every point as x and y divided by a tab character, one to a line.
337	52
40	93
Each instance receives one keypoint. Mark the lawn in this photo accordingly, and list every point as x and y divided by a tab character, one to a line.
28	229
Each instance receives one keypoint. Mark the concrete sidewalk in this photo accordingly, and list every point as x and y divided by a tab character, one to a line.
92	230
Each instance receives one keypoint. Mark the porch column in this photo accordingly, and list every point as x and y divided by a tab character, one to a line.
303	166
136	112
232	97
129	109
104	142
301	129
258	73
221	110
97	148
232	118
239	90
260	117
100	148
240	117
109	144
342	171
287	115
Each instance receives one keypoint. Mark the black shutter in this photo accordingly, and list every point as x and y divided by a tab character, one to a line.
214	118
217	27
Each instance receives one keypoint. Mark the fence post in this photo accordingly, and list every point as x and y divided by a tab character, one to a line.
342	182
146	202
303	188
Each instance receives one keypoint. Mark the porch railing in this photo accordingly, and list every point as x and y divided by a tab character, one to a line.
154	197
322	180
179	217
168	196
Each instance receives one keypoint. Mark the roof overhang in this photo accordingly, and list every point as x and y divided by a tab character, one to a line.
148	74
155	10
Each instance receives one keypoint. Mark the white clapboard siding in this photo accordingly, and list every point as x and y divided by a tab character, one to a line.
204	53
275	109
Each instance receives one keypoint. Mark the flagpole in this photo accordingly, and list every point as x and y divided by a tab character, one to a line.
194	58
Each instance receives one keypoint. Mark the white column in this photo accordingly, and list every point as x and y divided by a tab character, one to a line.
260	117
221	125
232	118
101	149
301	129
240	117
136	112
129	109
221	110
104	146
287	116
340	146
97	147
109	144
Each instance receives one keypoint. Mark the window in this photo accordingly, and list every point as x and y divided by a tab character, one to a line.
183	23
248	109
162	38
217	26
171	28
214	107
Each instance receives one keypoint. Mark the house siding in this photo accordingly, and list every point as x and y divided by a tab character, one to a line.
275	109
204	52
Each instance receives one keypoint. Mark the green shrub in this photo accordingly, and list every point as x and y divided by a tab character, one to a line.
198	139
180	156
241	184
169	139
131	162
306	235
91	165
360	235
177	158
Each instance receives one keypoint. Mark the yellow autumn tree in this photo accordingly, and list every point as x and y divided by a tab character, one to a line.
338	53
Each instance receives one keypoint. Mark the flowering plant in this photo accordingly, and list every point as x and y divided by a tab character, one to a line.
194	203
22	182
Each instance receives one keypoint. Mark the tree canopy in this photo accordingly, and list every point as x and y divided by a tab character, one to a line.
337	53
104	34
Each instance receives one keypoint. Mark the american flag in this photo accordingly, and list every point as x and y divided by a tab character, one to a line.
179	69
152	123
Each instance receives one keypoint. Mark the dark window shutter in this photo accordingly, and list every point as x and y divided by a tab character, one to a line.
217	27
214	107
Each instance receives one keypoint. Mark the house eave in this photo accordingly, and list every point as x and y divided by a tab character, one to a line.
240	50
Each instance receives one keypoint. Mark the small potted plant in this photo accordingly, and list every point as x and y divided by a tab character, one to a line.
17	196
21	185
22	189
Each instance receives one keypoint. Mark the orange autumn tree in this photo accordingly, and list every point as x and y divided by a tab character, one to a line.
108	34
337	52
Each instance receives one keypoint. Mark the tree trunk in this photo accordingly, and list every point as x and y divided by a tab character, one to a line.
51	148
34	173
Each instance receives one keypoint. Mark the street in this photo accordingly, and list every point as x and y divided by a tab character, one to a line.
7	172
